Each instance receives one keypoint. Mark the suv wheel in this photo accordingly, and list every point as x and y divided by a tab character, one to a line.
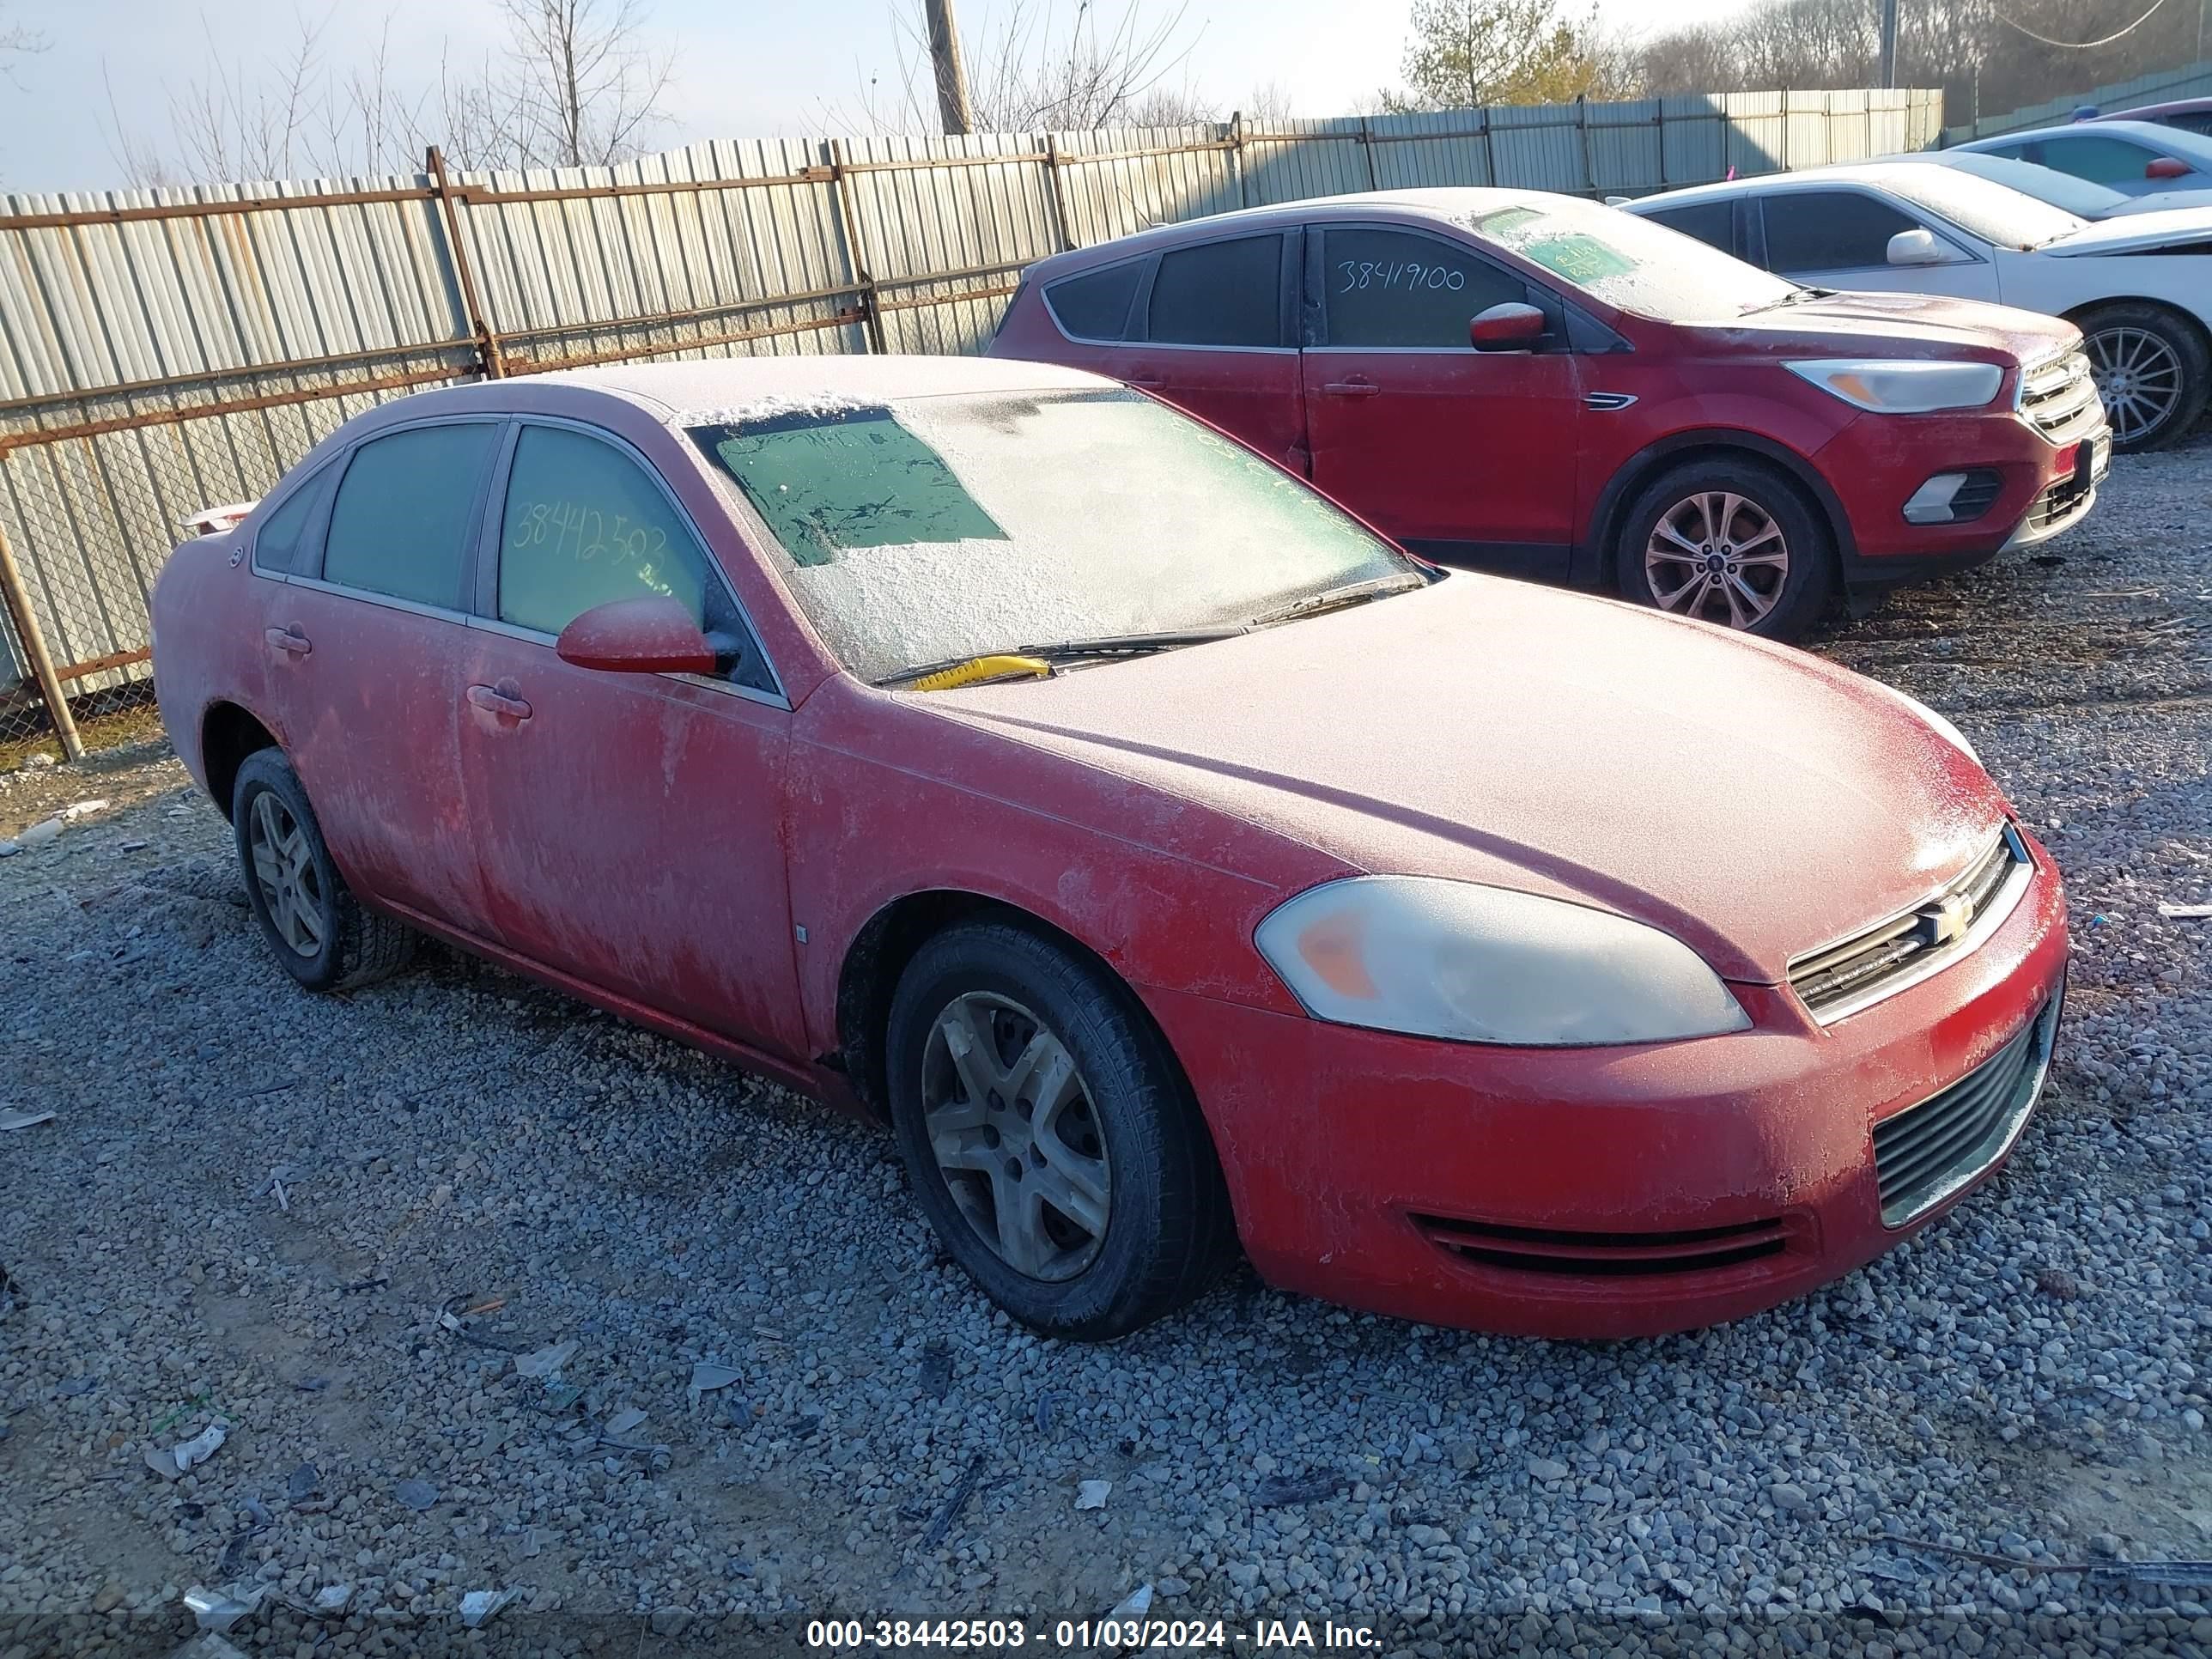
1050	1137
2152	370
1732	542
318	930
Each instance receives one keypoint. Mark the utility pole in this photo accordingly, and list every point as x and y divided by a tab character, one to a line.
1889	43
952	73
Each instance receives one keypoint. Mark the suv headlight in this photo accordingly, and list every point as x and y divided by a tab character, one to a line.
1451	959
1901	386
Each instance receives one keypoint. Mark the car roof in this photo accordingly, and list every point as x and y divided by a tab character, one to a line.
2149	132
1820	177
716	389
1437	205
2151	111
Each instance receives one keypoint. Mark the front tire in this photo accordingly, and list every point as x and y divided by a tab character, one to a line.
1050	1136
2153	370
1729	541
320	933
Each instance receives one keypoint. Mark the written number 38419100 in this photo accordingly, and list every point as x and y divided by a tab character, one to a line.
1404	275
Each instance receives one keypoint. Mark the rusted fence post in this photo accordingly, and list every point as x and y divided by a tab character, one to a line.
871	316
1056	193
1367	148
17	599
479	324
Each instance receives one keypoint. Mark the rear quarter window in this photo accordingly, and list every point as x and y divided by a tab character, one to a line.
1095	305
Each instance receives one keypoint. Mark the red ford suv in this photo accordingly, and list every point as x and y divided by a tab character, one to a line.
1557	389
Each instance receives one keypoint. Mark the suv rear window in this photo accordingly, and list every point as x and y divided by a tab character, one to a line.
1219	293
1096	305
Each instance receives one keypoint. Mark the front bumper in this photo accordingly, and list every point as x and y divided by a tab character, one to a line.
2044	488
1600	1193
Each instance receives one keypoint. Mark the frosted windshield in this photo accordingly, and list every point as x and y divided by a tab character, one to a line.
932	529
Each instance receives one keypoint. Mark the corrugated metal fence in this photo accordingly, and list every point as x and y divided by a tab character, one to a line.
169	351
2163	86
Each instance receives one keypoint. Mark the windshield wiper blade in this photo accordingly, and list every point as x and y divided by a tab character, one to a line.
1334	599
1108	645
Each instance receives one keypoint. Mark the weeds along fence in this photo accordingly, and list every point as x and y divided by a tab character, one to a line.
165	352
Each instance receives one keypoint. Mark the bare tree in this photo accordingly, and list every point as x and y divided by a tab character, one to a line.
1043	64
17	40
586	87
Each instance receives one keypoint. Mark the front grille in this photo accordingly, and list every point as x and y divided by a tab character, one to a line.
2059	500
2059	398
1925	1153
1541	1250
1844	977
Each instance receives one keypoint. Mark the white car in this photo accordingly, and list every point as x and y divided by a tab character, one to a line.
2137	158
2140	287
2060	189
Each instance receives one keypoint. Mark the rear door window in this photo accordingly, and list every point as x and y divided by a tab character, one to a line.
1096	305
1830	230
1398	288
407	513
276	543
1712	223
1219	293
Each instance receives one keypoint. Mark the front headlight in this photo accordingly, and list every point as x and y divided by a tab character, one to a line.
1894	386
1451	959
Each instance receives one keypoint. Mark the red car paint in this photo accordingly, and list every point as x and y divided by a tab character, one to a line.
708	864
1526	461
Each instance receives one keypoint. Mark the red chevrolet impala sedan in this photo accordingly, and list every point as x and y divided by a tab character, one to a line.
1168	857
1523	382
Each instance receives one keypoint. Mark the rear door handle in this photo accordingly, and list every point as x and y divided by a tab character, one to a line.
1147	382
290	641
1352	388
493	701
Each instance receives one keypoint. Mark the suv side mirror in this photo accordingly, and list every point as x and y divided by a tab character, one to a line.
2167	166
646	635
1918	247
1512	326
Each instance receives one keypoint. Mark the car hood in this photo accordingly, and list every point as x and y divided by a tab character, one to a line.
1753	800
1900	325
2136	232
2166	201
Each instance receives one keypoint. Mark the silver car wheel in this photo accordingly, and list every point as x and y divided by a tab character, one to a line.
1717	556
2139	377
1014	1133
284	870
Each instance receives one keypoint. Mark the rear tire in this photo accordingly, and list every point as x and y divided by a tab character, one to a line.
1023	1079
1729	540
2153	369
320	933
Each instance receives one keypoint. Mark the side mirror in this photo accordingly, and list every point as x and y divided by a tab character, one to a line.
647	635
1508	327
1918	247
2167	166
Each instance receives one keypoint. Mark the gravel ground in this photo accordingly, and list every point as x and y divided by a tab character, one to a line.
251	1207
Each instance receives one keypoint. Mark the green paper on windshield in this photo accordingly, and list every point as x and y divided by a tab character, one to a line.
1578	258
864	481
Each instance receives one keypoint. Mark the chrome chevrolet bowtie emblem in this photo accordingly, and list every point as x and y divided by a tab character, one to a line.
1945	920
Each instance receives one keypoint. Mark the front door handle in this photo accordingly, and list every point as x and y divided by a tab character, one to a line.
1352	388
1146	381
290	641
499	700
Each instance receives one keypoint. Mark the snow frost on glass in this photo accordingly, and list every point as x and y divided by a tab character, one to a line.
944	528
1631	263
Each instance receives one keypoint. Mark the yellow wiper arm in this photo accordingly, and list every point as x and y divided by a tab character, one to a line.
976	670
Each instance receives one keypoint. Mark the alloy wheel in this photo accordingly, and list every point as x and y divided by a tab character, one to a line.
2139	377
1013	1127
1717	556
284	870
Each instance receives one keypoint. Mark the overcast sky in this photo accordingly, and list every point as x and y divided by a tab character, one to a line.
745	68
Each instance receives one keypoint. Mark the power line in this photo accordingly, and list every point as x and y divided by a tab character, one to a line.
2079	45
